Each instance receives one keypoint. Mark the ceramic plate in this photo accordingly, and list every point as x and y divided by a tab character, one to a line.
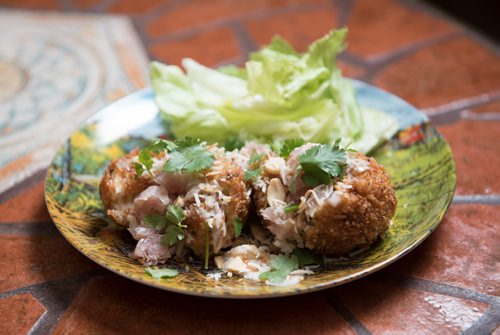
418	159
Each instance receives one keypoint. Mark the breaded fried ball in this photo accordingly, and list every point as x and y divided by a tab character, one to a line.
215	197
356	214
333	219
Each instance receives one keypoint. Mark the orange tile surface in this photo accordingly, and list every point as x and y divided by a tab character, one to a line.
448	285
19	313
378	28
159	312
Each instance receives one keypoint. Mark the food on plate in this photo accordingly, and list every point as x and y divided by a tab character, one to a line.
174	196
282	122
187	198
322	198
279	94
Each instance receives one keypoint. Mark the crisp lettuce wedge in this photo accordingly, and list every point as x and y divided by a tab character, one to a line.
279	94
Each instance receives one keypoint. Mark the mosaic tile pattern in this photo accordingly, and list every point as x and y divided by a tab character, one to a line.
55	72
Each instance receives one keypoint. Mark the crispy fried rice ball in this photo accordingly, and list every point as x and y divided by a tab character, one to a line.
213	197
333	219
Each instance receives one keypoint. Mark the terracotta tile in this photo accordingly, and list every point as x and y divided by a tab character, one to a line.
477	155
377	27
207	48
28	206
493	107
463	251
299	28
457	69
34	260
31	4
383	309
152	311
19	313
86	4
350	70
197	13
136	7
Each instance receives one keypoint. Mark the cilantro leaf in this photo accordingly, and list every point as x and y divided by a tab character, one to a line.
238	225
233	143
289	145
145	159
158	145
207	243
156	221
291	208
307	257
172	234
321	163
175	215
281	266
139	169
187	142
255	158
161	273
189	159
252	174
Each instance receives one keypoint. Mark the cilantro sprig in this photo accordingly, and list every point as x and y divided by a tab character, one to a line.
322	163
252	174
238	225
289	145
171	222
145	160
233	143
191	159
255	158
207	243
307	257
254	169
291	208
281	266
186	155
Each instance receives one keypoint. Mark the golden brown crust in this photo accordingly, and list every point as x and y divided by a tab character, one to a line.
120	172
196	232
232	183
362	215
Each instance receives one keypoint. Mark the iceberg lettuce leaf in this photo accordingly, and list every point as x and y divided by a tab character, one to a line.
280	94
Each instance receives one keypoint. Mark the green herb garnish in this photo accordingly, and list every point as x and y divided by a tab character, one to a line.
156	221
233	143
289	145
252	174
307	257
207	243
255	158
238	225
175	215
321	163
291	208
161	273
186	154
158	145
172	220
172	235
145	162
281	266
186	142
189	159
